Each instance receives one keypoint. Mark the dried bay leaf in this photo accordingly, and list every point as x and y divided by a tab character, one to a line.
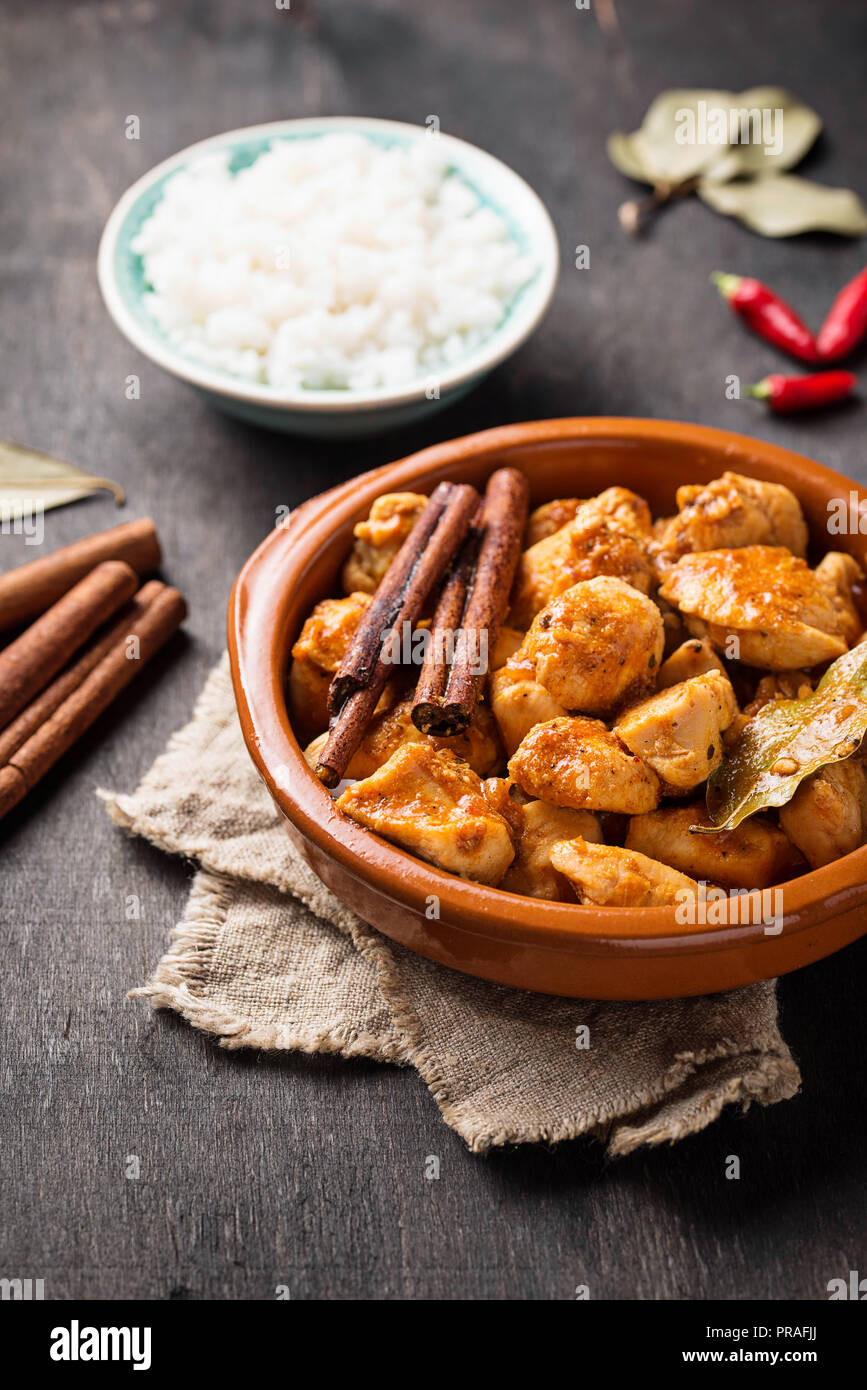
826	727
786	205
656	149
31	480
790	128
733	148
688	131
625	157
666	157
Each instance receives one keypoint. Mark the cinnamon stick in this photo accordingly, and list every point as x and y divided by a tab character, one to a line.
503	521
345	735
31	588
34	715
143	638
407	583
420	563
448	618
28	663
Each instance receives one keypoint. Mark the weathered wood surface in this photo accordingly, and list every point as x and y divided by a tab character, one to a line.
257	1172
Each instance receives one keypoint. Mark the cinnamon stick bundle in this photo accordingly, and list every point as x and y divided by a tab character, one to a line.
448	618
420	563
34	715
29	662
445	707
139	640
408	580
31	588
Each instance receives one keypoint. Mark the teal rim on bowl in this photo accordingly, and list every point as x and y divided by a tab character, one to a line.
124	285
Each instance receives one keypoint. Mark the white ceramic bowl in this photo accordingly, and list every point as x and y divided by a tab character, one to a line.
331	413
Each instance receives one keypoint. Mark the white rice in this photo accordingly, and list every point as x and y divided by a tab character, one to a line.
329	263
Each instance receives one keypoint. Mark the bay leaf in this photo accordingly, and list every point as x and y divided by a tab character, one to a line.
785	205
823	728
788	130
31	480
624	156
720	134
659	148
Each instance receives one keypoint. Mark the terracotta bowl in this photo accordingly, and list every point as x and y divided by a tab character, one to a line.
556	948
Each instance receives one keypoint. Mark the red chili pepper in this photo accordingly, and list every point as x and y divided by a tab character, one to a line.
768	315
846	323
784	393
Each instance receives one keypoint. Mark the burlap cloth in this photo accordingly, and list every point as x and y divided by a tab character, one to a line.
266	957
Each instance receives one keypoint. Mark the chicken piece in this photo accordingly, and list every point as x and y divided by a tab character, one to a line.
586	662
596	646
691	658
308	699
625	508
608	536
379	538
325	636
612	877
316	655
678	732
540	826
507	800
479	745
432	804
580	763
550	517
508	642
783	685
760	605
519	703
827	816
730	512
732	734
841	573
755	855
673	627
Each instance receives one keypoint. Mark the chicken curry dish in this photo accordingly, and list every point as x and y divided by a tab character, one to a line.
582	703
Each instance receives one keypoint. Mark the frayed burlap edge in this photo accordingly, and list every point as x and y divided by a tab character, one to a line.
179	981
774	1078
180	977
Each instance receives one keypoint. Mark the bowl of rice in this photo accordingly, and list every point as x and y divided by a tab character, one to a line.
332	276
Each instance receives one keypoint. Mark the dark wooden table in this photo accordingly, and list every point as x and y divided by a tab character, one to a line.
310	1172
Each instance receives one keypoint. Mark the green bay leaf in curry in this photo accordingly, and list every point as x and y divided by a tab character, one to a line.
789	739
